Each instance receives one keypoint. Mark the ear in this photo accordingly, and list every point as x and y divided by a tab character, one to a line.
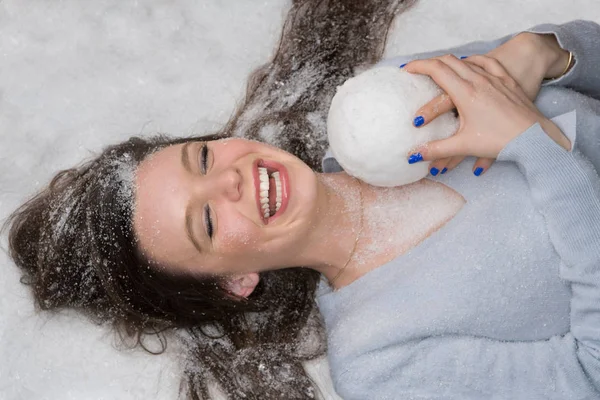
242	285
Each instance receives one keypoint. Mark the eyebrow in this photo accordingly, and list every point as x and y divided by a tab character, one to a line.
185	158
185	161
189	230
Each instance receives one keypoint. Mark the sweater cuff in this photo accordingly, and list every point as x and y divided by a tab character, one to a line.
534	141
532	149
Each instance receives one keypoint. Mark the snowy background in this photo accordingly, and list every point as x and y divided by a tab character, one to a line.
76	75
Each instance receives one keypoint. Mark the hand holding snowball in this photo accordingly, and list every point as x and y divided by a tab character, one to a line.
369	125
528	58
493	109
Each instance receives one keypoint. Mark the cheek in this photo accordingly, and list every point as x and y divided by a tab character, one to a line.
238	235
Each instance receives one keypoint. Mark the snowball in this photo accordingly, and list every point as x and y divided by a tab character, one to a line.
370	125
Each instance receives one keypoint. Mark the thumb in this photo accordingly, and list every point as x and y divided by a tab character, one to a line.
438	149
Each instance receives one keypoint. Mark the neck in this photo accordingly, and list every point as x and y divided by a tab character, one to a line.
337	225
390	222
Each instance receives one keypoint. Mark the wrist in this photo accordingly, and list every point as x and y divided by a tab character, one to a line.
553	57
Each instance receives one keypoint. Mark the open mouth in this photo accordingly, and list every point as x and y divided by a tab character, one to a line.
272	189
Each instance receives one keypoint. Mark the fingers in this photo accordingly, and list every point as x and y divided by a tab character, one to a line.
444	165
448	164
438	149
445	76
456	73
439	167
493	67
504	83
489	64
454	161
436	107
480	96
463	69
482	165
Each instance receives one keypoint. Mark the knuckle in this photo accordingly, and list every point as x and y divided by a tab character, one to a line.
496	63
495	80
440	101
508	83
511	83
448	57
481	80
437	63
445	103
470	90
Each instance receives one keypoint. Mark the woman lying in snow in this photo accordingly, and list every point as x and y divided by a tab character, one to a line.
455	287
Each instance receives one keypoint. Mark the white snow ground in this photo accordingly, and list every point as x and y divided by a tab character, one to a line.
76	75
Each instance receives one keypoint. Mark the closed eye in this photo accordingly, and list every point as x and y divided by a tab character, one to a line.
204	159
208	221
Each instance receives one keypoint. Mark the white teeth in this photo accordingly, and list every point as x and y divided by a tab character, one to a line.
277	180
263	176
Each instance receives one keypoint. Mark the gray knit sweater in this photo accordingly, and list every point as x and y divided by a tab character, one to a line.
503	302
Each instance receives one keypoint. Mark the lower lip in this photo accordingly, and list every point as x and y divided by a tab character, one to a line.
285	187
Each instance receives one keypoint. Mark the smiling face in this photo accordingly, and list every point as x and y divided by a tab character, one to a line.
199	207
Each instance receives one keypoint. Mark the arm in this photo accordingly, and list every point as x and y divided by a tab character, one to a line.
470	368
582	38
563	367
529	58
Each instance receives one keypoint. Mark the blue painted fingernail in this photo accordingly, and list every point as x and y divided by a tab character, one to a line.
478	171
463	57
419	121
402	66
434	171
444	171
415	158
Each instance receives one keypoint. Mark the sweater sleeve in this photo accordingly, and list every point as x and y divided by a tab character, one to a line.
467	367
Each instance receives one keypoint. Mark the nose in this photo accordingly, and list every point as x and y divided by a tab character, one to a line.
226	183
